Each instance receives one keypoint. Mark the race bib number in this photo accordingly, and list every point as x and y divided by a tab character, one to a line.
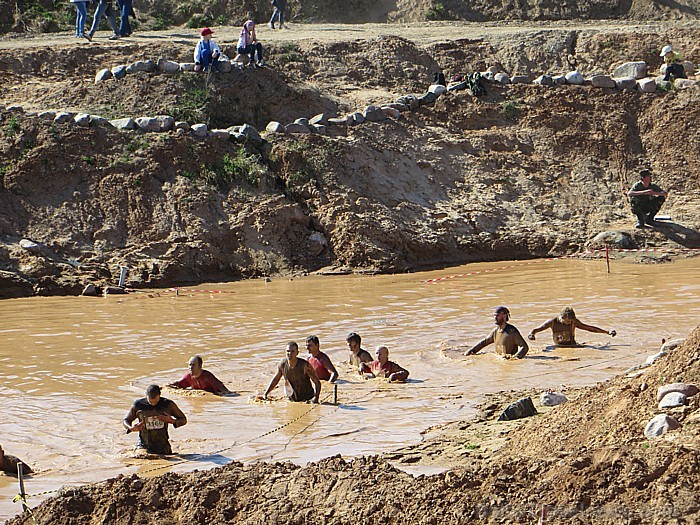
563	337
152	423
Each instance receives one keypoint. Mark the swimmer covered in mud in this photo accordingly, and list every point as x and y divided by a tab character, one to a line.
199	379
564	328
509	342
8	464
357	354
299	377
154	414
382	367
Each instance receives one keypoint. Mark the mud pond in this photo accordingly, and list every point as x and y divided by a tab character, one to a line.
72	366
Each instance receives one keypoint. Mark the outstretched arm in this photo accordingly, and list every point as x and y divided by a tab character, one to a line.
273	383
481	344
541	328
594	329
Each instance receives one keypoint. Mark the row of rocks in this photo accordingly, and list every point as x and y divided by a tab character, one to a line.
628	76
162	65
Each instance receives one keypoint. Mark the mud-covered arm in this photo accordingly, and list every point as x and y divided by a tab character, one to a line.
541	328
314	379
133	414
594	329
522	345
398	373
273	383
174	411
481	344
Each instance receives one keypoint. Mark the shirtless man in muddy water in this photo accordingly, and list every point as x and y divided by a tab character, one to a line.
357	354
564	328
319	361
199	379
8	464
509	342
382	367
154	414
299	375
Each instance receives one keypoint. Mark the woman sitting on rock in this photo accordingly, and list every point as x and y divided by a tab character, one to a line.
248	45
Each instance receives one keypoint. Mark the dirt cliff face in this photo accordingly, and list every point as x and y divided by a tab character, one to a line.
525	171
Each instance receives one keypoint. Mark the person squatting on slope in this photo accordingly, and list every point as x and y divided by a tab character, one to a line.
646	199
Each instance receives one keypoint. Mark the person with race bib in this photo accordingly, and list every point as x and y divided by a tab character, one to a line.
154	413
509	342
320	362
357	354
564	328
382	367
299	377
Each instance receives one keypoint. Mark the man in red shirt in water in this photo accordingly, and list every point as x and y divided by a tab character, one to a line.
319	361
199	379
382	367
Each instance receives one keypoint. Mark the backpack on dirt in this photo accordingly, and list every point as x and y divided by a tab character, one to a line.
475	85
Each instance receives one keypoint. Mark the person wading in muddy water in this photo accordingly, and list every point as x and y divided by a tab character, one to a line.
564	328
382	367
199	379
154	413
320	362
8	464
299	376
357	354
509	342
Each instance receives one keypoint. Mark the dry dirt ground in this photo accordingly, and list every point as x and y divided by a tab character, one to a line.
587	461
522	172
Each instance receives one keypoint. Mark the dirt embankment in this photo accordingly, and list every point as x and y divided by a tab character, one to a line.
586	460
523	172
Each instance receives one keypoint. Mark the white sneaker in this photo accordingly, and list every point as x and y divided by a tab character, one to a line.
114	37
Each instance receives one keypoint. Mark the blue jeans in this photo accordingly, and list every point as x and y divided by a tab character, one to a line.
81	17
125	27
104	7
251	50
277	15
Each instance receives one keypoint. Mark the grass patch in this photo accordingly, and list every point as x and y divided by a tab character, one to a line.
192	102
471	446
237	168
12	127
289	52
437	12
510	107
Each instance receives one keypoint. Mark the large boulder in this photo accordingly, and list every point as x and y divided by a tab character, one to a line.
321	118
199	130
602	81
391	112
518	410
295	127
82	119
575	78
187	67
181	124
614	238
147	66
274	127
119	72
124	123
626	83
635	70
168	66
252	135
165	122
684	83
96	120
550	399
673	400
646	85
374	114
501	78
520	79
686	389
148	123
219	134
660	425
62	117
356	118
102	75
544	80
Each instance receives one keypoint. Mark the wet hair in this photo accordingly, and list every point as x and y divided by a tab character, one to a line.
644	173
152	391
292	344
312	339
567	313
197	358
502	310
352	336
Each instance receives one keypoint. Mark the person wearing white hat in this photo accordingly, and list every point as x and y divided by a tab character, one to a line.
674	68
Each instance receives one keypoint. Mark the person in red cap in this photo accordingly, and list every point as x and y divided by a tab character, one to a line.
207	53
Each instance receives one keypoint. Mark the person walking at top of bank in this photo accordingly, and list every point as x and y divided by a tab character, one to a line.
646	199
154	413
299	376
207	52
509	342
357	354
564	328
320	362
382	367
674	66
199	379
278	13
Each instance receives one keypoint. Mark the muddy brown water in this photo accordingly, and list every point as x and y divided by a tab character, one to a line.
72	366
